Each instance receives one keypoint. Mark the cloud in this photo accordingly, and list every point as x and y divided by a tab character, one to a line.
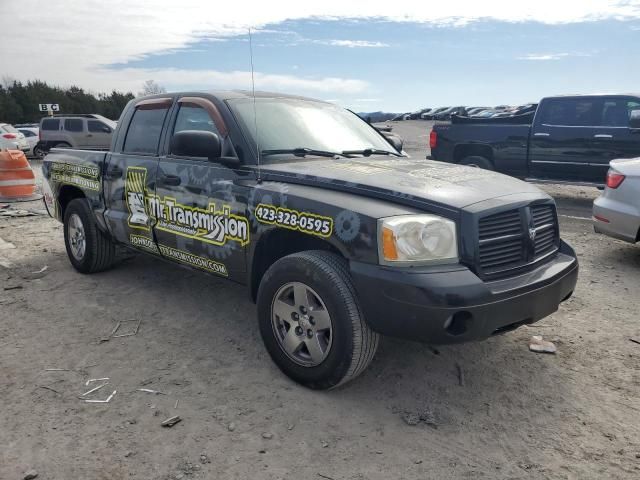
367	100
553	56
353	43
545	56
43	40
173	78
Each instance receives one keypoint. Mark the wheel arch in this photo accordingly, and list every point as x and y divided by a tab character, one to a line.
462	151
277	243
66	194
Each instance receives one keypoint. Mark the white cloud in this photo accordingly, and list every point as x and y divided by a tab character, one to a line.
544	56
66	41
367	100
354	43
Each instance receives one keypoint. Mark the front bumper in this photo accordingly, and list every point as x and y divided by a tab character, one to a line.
450	304
623	219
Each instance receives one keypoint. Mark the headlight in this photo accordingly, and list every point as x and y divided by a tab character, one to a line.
417	239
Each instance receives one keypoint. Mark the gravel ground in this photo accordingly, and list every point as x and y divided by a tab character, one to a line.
483	410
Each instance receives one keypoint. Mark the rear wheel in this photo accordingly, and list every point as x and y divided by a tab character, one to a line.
310	320
89	250
477	161
39	152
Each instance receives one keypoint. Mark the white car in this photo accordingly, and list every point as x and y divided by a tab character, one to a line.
12	139
32	136
617	211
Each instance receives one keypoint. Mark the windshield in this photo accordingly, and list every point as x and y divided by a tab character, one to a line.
288	124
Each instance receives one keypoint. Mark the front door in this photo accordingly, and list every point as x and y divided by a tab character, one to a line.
201	212
563	138
130	174
98	134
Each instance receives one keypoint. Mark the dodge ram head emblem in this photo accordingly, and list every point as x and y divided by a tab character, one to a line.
532	234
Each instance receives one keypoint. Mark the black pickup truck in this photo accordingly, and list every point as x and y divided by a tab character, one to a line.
571	139
338	236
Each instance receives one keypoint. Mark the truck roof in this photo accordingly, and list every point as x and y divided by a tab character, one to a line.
586	95
232	94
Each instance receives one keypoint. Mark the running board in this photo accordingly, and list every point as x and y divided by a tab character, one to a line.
565	182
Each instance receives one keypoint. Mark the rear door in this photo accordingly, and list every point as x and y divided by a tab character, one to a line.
563	143
98	134
76	132
130	173
202	220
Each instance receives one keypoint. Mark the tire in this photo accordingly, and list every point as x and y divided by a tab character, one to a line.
351	345
99	251
477	161
39	152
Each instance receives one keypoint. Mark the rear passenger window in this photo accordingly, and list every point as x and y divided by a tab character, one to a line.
145	128
51	124
73	125
571	112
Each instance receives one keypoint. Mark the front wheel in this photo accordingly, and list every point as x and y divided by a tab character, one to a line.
310	320
89	250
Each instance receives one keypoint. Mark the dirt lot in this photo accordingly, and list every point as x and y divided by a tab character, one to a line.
486	410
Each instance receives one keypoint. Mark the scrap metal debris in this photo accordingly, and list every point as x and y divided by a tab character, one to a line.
148	390
635	340
128	334
107	400
171	421
538	345
95	389
91	380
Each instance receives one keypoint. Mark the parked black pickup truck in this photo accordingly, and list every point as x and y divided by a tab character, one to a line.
336	234
572	139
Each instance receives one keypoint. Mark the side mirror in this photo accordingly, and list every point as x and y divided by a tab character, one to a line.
634	118
106	129
394	140
196	143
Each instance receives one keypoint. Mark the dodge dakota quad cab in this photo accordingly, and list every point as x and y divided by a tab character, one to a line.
338	236
572	139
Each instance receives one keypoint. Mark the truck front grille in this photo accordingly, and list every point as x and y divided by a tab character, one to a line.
512	240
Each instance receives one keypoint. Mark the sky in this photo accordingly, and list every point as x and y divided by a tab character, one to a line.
365	55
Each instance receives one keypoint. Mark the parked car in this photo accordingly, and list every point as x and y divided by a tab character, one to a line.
32	136
11	138
419	113
571	139
446	114
430	115
616	212
338	237
90	131
473	110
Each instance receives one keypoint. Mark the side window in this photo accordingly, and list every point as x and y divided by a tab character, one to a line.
27	133
616	112
143	135
96	126
51	124
73	125
570	112
194	117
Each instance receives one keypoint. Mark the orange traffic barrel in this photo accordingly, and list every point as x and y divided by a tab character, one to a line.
17	180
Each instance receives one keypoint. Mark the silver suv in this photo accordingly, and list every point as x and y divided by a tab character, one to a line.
91	132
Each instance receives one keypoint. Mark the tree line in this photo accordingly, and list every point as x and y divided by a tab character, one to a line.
19	102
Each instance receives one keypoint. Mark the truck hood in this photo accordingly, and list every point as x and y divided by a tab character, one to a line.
406	180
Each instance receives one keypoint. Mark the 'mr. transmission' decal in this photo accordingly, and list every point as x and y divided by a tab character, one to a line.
206	225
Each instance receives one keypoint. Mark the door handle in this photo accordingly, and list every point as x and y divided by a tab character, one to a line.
603	135
114	172
540	134
169	180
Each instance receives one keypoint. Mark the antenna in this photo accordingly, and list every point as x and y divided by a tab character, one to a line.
255	111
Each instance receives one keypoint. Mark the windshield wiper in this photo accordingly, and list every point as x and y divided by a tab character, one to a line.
302	152
367	152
